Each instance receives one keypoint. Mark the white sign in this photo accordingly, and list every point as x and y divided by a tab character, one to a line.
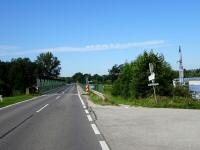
151	67
152	77
153	84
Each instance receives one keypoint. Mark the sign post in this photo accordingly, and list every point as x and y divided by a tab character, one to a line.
152	79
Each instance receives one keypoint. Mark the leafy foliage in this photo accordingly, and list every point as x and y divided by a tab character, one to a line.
114	72
48	65
21	73
181	91
133	81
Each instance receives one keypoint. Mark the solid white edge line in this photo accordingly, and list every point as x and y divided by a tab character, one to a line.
81	99
104	146
22	102
86	111
89	118
42	108
96	130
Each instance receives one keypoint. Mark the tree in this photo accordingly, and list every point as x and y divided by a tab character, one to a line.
114	72
5	86
78	77
48	65
21	74
134	77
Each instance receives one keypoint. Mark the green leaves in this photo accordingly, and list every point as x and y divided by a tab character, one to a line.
133	81
48	65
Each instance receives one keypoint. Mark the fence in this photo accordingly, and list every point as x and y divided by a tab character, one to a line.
44	85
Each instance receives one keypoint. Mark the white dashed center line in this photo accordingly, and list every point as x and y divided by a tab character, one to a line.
42	108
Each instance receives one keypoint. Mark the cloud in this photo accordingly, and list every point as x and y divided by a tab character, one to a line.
103	47
11	50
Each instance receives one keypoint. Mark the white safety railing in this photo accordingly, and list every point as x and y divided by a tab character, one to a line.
98	94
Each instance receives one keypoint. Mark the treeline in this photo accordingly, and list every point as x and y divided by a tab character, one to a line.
95	79
21	73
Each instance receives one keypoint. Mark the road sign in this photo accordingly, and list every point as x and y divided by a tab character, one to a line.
151	68
152	77
153	84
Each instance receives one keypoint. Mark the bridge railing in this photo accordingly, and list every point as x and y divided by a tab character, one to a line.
44	85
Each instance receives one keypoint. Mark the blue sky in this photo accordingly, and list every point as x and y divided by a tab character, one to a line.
92	35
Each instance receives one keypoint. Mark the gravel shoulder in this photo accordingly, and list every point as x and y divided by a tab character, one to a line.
140	128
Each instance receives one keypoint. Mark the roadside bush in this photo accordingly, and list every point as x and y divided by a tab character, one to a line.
116	88
181	91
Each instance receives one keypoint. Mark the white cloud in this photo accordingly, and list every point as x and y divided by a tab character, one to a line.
12	50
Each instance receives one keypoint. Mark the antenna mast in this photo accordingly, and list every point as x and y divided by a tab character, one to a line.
181	70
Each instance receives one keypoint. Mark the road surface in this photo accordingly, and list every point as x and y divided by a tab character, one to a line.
55	121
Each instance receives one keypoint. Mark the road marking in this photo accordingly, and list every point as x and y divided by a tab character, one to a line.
104	146
57	97
81	99
89	118
86	111
96	130
42	108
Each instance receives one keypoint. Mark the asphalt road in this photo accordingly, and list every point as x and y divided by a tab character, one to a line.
55	121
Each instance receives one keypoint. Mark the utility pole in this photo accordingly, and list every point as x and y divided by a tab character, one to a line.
181	70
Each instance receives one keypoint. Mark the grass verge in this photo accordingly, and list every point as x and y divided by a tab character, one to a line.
163	102
15	99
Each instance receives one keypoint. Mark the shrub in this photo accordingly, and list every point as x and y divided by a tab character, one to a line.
181	91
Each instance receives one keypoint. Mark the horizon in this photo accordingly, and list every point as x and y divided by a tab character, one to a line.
92	36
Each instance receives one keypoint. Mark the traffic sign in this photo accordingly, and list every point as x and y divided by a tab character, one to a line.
152	77
151	68
153	84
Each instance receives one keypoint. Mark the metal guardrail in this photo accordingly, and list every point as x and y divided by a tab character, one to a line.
98	94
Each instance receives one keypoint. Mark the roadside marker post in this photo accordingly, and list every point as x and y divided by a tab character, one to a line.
152	79
87	88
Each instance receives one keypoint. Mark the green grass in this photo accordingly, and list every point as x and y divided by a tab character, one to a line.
11	100
163	102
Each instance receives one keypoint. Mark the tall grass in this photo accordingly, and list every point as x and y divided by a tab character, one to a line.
163	102
11	100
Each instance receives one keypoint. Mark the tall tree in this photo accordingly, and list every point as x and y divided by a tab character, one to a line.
48	65
78	77
21	74
133	81
114	72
